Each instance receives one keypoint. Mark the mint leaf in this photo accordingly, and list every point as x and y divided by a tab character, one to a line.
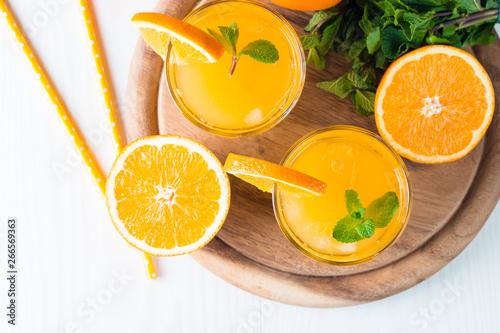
319	60
230	34
449	31
432	5
366	22
418	38
401	4
410	22
319	48
386	7
394	42
373	41
359	109
470	6
490	4
364	101
345	230
308	42
341	87
437	40
483	35
329	34
261	50
356	79
356	49
366	229
353	203
383	209
221	39
320	16
380	60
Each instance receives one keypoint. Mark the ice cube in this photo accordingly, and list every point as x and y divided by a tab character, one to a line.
254	117
346	247
337	165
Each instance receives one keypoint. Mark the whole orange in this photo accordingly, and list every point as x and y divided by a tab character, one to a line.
306	4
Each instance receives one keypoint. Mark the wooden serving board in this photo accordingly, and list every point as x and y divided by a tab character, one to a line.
451	201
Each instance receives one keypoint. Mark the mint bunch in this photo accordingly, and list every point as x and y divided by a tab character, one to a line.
260	50
361	222
374	33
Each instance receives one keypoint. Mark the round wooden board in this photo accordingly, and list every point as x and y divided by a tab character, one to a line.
451	202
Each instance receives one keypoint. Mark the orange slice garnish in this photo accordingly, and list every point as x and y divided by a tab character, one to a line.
264	175
190	44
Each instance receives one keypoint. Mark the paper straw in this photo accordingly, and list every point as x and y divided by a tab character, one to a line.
71	129
57	105
93	43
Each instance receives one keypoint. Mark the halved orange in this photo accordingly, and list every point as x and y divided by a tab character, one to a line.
264	175
167	195
434	104
190	44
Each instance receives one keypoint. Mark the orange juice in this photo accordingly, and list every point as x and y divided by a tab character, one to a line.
346	158
257	96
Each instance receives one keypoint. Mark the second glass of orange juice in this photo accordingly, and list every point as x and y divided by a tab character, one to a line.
346	158
257	96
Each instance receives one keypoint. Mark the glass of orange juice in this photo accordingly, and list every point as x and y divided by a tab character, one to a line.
257	96
346	158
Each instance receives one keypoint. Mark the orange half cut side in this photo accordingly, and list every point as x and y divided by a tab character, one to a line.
434	104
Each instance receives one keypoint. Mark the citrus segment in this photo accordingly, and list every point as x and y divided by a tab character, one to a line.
167	195
434	104
264	175
190	44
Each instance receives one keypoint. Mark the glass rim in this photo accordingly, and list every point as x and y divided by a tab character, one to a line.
279	115
290	235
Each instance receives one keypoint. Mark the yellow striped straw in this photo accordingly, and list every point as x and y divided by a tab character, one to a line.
72	130
93	43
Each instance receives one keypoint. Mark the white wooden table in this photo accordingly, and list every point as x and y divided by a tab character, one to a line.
76	274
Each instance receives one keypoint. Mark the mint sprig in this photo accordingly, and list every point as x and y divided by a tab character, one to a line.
373	33
361	222
260	50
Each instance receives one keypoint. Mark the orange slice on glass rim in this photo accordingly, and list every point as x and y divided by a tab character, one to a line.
434	104
264	175
190	44
167	195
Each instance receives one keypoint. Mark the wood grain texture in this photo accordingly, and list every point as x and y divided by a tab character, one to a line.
450	201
